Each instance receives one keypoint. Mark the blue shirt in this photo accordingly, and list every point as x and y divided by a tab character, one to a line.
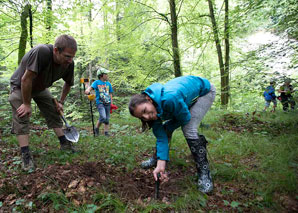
269	93
103	89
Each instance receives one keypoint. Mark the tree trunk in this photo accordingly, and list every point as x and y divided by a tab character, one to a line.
227	55
31	26
49	21
118	18
219	54
90	40
174	34
24	32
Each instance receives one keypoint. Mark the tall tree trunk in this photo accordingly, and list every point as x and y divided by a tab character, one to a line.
49	21
174	34
118	18
219	53
90	39
106	36
24	32
227	54
31	26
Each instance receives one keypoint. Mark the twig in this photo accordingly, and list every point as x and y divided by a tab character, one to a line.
8	54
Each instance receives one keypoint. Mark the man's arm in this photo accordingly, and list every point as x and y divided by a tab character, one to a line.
26	89
65	91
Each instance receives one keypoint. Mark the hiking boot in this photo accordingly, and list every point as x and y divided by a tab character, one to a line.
199	152
149	163
107	134
27	162
67	146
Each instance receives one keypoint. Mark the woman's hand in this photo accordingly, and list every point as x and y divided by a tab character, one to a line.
160	168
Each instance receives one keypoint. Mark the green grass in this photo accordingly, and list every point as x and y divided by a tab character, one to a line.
264	159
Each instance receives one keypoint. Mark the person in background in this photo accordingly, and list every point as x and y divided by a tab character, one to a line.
39	69
103	90
269	95
181	102
286	91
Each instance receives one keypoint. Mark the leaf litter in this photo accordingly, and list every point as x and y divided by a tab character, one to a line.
79	182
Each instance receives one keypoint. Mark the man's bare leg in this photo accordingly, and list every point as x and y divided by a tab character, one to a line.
23	140
59	132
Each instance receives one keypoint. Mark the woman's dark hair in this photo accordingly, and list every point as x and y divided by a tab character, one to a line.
136	100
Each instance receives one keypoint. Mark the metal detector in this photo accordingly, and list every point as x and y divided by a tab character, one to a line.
91	97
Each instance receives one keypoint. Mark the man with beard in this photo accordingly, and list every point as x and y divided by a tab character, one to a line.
39	69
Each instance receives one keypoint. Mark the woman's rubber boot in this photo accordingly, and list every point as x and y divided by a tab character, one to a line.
199	152
149	163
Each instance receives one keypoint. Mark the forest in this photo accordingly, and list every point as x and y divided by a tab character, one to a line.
240	46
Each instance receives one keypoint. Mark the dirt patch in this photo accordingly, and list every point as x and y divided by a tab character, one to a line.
80	181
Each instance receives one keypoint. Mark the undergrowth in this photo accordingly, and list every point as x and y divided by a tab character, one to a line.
255	151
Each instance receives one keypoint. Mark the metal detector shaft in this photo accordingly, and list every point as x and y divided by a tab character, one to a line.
157	183
92	118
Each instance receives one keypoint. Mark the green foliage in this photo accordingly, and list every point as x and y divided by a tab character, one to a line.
192	201
108	202
262	161
132	39
58	200
284	16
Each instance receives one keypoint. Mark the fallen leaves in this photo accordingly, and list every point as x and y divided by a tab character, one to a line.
78	183
289	203
73	184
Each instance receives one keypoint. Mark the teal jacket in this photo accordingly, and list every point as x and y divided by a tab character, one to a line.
172	101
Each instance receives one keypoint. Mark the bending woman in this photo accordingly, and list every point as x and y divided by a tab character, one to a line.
181	102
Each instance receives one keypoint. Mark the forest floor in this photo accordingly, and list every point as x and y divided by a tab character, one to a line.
107	178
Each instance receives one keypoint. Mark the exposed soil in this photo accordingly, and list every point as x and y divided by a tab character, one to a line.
80	181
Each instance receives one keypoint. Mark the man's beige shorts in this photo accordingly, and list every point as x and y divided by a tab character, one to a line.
44	101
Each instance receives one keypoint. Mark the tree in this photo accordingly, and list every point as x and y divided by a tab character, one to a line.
227	56
223	67
24	32
48	21
174	36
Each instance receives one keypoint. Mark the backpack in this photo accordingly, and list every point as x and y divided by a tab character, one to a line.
269	93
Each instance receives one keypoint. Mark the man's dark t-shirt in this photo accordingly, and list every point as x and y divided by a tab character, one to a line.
40	60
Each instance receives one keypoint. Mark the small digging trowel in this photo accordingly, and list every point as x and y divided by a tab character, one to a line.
157	183
70	132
